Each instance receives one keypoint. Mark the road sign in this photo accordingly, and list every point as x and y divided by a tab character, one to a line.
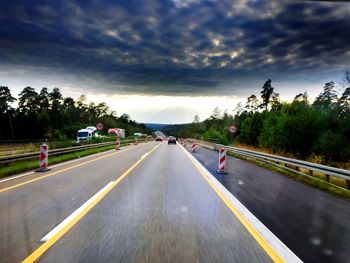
233	128
99	126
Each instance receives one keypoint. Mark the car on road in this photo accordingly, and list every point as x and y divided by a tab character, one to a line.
159	139
172	140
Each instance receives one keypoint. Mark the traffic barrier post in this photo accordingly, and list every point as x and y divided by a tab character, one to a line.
222	161
117	144
43	158
194	147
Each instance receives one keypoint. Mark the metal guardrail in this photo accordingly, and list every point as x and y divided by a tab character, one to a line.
294	164
33	155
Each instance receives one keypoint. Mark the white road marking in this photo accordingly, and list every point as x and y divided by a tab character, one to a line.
15	177
74	214
64	163
283	251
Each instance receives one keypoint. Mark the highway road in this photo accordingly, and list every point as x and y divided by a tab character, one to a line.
312	223
147	203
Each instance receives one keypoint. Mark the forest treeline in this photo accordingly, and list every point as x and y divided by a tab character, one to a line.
302	128
49	115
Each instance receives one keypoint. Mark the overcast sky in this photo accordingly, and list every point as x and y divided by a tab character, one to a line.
165	61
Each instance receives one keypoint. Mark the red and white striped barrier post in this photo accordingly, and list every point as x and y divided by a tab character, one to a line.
222	161
136	141
43	158
193	147
185	144
117	144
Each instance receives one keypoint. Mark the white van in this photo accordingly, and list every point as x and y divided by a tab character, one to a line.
83	135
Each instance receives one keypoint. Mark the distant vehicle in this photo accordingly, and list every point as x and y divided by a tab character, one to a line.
91	128
171	140
84	135
159	139
118	132
139	134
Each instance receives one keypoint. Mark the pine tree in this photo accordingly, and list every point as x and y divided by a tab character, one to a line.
266	93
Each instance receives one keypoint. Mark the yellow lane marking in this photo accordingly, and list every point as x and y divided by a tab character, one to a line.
44	247
262	242
60	171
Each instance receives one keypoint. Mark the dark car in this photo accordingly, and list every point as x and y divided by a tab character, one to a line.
172	140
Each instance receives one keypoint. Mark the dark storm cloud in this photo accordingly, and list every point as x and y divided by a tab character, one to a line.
178	46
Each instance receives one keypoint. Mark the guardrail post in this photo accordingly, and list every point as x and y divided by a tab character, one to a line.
348	184
327	177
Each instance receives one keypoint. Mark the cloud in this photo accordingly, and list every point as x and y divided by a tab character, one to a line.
183	47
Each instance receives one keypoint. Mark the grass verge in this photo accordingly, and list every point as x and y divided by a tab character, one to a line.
27	165
314	181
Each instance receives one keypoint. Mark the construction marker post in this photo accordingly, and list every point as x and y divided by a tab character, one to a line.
222	161
136	141
185	144
193	147
117	144
43	158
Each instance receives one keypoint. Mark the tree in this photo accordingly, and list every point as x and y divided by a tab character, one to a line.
238	110
196	119
6	111
327	97
5	100
252	103
101	109
344	101
43	99
267	91
302	97
276	104
56	98
27	102
216	114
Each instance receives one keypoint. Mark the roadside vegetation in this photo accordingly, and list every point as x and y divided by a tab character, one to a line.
49	115
317	131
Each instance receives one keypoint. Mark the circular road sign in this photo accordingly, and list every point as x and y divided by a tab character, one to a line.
99	126
233	128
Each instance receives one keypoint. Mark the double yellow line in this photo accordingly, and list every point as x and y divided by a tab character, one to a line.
44	247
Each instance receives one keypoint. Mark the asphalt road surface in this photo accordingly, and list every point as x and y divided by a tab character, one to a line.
149	203
314	224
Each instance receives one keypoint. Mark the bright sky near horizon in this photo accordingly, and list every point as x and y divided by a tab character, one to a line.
165	61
